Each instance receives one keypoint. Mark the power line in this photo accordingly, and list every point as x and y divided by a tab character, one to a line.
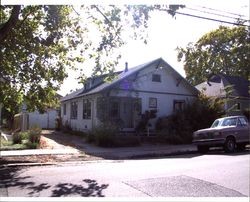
202	17
221	15
221	11
211	19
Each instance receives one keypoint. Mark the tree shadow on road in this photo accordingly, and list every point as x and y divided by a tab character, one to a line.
92	189
10	177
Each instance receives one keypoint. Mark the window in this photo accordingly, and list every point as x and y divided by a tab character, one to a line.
230	122
114	110
64	109
73	110
86	114
179	105
156	78
242	121
152	102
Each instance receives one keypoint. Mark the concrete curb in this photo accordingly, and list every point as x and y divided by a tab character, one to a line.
26	164
107	158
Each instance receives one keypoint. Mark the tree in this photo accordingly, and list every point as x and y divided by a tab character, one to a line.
224	50
39	43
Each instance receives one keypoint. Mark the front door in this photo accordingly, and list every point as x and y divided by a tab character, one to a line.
126	113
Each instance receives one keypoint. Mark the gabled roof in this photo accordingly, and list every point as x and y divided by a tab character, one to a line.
217	83
121	76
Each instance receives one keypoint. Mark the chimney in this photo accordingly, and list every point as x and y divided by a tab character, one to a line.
126	67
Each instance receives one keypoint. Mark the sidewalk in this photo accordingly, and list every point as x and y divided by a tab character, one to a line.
109	153
72	148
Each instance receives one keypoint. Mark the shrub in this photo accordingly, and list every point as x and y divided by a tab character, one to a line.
17	139
66	127
246	113
105	134
58	123
90	137
179	127
32	145
126	141
35	135
24	135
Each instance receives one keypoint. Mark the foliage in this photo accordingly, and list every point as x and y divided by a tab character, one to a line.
246	113
26	140
4	142
17	138
40	43
58	123
34	135
127	141
144	122
104	134
66	127
179	127
107	135
224	50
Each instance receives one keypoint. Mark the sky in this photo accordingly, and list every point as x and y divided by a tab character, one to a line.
165	33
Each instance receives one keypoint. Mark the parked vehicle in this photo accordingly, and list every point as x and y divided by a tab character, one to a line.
230	132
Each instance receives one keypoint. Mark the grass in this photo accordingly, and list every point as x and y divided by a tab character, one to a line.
8	145
23	140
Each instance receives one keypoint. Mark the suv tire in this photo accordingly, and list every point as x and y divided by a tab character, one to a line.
229	145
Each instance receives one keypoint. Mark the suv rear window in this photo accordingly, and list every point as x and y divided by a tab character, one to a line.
242	121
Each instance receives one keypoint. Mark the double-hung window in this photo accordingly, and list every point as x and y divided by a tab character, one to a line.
73	110
86	114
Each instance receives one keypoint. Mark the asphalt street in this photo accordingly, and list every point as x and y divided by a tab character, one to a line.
211	175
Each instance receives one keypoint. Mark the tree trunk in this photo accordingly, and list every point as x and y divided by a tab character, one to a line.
6	28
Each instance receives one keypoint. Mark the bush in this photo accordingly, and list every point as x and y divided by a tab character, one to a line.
17	138
35	135
126	141
32	145
246	113
179	127
105	134
91	137
58	123
24	135
66	127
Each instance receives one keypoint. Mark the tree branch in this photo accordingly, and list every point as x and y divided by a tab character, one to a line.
6	28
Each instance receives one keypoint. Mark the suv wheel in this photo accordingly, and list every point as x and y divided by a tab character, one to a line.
229	145
202	149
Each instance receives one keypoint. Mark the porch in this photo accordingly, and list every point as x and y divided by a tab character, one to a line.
125	112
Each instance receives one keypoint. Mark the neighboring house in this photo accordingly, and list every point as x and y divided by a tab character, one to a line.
151	86
219	85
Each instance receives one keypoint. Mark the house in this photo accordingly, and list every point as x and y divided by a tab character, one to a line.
234	89
153	86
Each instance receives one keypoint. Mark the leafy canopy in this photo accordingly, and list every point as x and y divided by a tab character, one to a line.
224	50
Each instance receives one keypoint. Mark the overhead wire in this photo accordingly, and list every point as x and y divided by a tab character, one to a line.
220	11
211	19
212	13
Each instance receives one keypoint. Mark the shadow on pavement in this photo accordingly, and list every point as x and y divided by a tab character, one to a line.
11	178
68	189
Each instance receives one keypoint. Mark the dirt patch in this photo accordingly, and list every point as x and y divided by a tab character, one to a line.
58	140
47	158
